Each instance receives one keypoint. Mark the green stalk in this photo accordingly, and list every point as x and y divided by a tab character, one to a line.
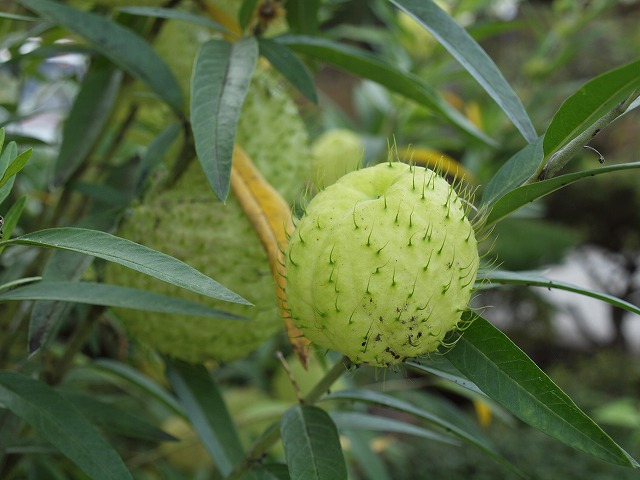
269	438
560	158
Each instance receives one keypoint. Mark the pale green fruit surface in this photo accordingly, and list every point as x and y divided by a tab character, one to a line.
382	264
334	154
186	221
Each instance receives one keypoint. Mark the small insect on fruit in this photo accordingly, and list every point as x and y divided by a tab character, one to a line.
382	264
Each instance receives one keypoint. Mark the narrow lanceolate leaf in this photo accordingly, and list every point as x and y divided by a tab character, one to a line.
137	380
389	401
368	461
312	445
219	84
438	366
61	266
15	166
8	156
91	109
290	66
592	101
507	375
204	406
154	155
519	197
246	12
270	216
11	218
116	419
122	46
111	296
12	16
472	57
302	16
58	421
130	254
517	170
533	279
365	421
366	65
173	14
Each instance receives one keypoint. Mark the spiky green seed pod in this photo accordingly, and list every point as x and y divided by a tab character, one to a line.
382	264
188	222
334	154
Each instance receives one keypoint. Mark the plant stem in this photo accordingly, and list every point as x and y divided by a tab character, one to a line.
264	443
560	158
78	340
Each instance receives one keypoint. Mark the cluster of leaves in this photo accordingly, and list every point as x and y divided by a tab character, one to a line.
41	408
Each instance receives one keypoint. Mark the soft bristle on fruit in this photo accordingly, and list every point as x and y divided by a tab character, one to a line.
382	264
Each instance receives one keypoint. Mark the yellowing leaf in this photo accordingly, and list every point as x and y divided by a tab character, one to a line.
483	412
435	160
219	16
270	216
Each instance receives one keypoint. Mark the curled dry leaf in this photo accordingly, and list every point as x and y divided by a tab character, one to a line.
270	216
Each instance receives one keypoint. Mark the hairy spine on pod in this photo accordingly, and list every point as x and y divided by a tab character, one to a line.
382	264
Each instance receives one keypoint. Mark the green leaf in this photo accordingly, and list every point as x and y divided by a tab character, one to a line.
138	380
155	153
369	462
405	407
366	65
101	193
59	422
2	136
365	421
302	16
84	123
283	60
438	366
8	156
271	471
15	166
533	279
12	16
122	46
245	13
62	266
204	406
116	419
173	14
592	101
11	219
515	171
130	254
472	57
311	444
507	375
519	197
219	84
111	296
